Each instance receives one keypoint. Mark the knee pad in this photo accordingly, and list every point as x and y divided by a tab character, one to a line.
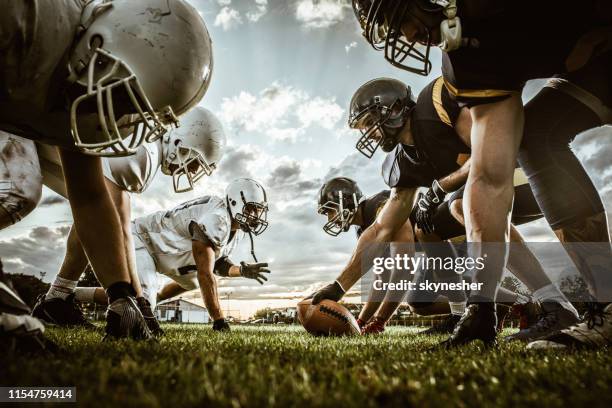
16	202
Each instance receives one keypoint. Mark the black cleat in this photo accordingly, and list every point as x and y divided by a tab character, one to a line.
147	313
554	317
124	320
60	312
479	322
446	326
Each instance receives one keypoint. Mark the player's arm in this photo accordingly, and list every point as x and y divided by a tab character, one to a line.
204	255
456	179
392	217
170	290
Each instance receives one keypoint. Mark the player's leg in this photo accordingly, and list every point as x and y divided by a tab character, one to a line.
58	306
496	134
20	179
565	192
99	230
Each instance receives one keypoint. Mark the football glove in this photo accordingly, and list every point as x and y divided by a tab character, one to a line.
333	291
427	204
221	325
254	271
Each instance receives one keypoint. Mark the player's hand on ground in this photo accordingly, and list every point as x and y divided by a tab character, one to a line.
333	291
374	326
221	325
255	271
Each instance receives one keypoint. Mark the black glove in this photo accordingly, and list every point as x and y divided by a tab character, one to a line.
221	325
333	291
427	204
254	271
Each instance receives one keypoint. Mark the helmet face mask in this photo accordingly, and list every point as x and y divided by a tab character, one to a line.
374	133
188	168
382	22
339	201
99	90
341	219
193	150
248	206
253	218
150	60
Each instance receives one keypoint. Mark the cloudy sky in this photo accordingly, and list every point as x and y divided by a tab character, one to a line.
284	73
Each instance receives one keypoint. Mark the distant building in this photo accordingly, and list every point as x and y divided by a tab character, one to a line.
181	311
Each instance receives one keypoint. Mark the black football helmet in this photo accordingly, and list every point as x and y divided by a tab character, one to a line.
380	109
340	195
381	22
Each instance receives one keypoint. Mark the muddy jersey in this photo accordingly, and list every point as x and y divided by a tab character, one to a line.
35	41
507	42
370	207
438	150
168	236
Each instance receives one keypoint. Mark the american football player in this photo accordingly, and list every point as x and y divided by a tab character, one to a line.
428	145
193	241
343	203
83	75
187	153
481	43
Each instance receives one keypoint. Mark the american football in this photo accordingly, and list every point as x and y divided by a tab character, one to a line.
327	318
306	203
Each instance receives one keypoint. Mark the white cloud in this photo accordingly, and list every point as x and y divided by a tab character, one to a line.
321	13
261	7
281	112
350	46
228	18
224	2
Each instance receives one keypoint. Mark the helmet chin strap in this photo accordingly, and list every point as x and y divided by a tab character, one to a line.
252	247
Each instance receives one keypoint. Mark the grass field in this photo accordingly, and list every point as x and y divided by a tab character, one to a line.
283	366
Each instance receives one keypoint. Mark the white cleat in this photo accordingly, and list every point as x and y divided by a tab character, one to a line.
595	331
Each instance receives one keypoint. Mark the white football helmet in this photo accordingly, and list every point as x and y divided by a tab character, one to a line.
193	150
142	64
248	205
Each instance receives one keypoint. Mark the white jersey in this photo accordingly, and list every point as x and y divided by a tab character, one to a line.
134	173
168	236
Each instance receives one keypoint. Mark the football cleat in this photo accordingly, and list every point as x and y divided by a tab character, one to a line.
147	313
479	322
374	326
60	312
594	331
554	317
124	320
446	326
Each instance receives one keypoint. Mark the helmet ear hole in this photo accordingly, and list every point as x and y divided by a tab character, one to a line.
96	42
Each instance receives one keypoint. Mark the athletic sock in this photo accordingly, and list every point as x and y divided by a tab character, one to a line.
550	293
83	294
119	290
457	308
61	288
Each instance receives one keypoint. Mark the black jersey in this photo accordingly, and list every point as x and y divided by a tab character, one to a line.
438	150
507	42
370	208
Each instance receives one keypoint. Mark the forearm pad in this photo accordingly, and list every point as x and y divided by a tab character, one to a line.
222	266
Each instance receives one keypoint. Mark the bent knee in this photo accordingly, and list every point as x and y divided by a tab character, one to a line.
17	201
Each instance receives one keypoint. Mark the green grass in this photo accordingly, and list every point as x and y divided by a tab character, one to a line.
283	366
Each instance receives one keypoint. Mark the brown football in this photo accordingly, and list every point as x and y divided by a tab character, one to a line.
328	318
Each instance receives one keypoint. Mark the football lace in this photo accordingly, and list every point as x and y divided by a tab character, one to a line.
334	313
